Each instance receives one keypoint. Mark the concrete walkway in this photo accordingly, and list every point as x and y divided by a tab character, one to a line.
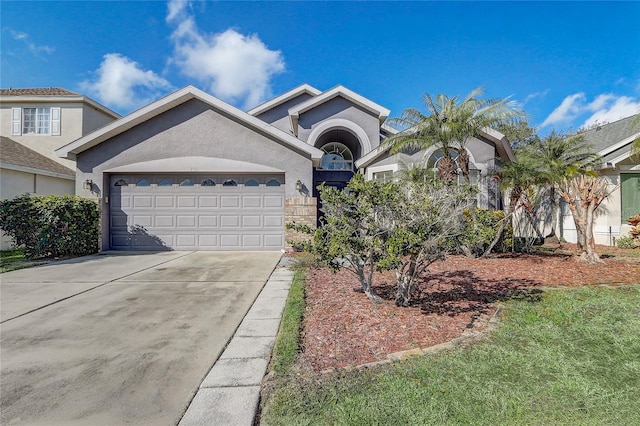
230	393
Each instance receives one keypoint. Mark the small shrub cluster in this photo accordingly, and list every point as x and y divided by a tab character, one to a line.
56	226
480	229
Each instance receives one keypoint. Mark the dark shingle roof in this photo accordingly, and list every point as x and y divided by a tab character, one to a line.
606	135
11	152
43	91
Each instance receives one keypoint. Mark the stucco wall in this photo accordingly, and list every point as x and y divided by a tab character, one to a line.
340	108
14	183
191	129
279	116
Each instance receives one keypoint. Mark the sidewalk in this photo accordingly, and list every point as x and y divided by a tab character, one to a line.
230	393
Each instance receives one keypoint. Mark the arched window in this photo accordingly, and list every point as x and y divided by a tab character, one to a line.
336	157
208	182
251	182
437	155
143	182
120	182
186	182
230	182
273	182
165	182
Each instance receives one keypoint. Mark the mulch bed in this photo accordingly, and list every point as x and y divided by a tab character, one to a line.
343	328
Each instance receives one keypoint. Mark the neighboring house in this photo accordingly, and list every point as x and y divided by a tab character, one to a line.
44	119
33	124
613	143
191	172
24	171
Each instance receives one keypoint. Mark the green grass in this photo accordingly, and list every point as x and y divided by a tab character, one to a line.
571	358
286	348
10	260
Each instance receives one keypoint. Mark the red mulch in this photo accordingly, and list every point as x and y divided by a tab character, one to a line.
343	328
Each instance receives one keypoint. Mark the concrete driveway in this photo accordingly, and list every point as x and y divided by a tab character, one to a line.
119	338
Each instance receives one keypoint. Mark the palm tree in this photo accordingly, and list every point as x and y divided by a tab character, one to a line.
560	157
448	126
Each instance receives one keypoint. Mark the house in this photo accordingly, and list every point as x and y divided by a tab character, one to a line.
191	172
33	124
612	142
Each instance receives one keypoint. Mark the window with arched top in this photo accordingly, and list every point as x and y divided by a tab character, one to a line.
230	182
165	182
273	182
208	182
143	182
336	157
120	182
438	155
186	182
251	182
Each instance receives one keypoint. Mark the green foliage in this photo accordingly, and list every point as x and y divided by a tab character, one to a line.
286	349
57	226
479	231
626	242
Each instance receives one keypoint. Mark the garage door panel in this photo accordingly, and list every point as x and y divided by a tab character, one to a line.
165	201
207	221
188	221
212	217
185	201
229	201
273	201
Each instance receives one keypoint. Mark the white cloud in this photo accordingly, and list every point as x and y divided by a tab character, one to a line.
31	46
604	108
621	107
568	110
535	95
120	82
235	67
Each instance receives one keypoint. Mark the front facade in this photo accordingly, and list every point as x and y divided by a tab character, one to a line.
190	172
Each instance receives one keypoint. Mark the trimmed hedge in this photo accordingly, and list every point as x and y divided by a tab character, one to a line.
55	226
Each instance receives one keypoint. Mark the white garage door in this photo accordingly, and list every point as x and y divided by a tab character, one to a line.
196	212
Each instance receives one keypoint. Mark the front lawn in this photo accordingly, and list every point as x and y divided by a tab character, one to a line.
571	357
10	260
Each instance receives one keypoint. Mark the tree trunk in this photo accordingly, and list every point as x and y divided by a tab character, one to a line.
447	169
463	163
405	283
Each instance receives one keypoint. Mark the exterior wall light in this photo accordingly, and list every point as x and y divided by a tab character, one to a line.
88	184
298	185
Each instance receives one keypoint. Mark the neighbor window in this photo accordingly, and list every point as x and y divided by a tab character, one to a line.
35	121
385	176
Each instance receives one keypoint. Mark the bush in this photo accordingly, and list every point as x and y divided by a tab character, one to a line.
478	234
57	226
626	242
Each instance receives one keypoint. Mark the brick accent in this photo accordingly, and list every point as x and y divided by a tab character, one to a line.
300	210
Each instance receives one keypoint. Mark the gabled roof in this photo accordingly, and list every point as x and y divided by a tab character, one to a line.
50	94
171	101
613	141
338	91
291	94
16	156
502	146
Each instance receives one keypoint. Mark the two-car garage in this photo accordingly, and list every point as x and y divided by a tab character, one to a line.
204	211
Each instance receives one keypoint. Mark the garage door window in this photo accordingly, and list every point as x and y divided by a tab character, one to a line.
251	182
165	182
208	182
143	182
273	182
230	182
186	182
120	182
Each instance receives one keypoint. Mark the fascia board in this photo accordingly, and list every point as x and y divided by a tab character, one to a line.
357	99
614	147
291	94
170	101
371	156
36	171
501	141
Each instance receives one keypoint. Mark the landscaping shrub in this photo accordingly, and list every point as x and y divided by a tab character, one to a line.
57	226
480	231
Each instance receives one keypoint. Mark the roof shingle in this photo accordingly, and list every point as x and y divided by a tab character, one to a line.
11	152
42	91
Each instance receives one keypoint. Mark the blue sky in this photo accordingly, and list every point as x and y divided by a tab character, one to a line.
568	64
